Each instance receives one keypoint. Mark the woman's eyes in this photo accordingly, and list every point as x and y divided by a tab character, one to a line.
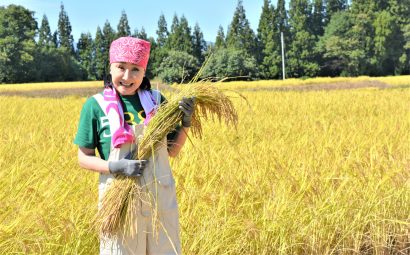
133	69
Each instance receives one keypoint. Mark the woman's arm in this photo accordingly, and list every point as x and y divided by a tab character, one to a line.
88	160
179	142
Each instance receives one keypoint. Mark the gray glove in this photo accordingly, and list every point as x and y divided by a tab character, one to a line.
127	167
187	106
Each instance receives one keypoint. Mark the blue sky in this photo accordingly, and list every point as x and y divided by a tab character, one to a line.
86	15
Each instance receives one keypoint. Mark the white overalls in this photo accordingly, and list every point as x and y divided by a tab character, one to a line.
145	242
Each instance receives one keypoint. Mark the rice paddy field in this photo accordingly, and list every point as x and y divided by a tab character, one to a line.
316	166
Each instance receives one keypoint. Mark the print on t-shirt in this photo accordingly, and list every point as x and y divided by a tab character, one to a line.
129	118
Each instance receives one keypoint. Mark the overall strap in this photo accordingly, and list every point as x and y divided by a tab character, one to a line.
101	102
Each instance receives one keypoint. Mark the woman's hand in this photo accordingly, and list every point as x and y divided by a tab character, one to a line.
187	106
127	167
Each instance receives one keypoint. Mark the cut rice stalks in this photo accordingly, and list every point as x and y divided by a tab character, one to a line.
117	215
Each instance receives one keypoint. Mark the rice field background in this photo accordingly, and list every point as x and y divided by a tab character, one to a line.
316	166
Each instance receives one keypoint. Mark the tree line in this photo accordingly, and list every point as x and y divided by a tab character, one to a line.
321	38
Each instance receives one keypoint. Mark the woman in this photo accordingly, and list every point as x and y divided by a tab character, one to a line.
112	122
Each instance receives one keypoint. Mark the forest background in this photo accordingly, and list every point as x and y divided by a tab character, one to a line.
322	38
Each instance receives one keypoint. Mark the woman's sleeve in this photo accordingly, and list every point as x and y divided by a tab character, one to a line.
87	127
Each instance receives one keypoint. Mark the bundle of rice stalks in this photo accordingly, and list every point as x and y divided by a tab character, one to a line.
118	208
210	103
117	213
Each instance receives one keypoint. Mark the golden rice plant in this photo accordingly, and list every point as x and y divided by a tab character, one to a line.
312	172
117	213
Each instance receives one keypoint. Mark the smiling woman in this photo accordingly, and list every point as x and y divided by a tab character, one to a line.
129	59
112	122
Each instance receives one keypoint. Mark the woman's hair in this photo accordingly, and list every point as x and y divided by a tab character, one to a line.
146	84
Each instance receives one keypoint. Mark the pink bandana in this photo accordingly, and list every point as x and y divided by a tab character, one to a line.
130	50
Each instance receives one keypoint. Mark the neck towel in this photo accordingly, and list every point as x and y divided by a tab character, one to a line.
120	130
110	103
149	104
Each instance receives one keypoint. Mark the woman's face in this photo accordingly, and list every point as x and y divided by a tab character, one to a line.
126	77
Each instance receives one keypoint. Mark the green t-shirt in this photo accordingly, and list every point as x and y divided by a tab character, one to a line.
94	128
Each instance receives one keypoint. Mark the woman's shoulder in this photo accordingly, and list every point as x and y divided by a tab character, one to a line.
92	103
91	100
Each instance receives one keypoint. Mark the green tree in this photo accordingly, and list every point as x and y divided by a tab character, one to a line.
159	51
333	6
400	9
45	39
268	47
388	44
282	25
17	46
240	34
150	72
220	38
64	31
47	55
301	52
180	38
379	30
109	35
55	39
101	52
405	57
318	25
54	64
157	55
141	34
282	17
198	44
123	29
174	34
85	51
230	63
367	6
362	33
49	64
178	67
69	67
186	36
318	18
337	48
162	31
